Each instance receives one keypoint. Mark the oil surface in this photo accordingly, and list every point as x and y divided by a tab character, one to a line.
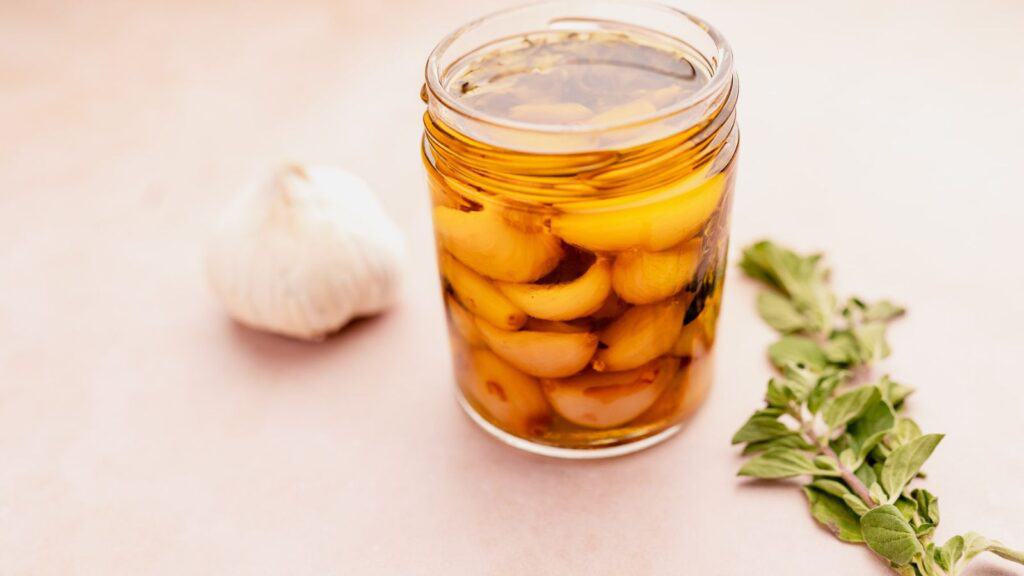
589	78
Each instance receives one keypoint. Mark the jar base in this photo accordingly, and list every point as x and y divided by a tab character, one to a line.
594	453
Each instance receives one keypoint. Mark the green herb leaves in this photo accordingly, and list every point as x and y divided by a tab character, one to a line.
839	411
826	419
904	462
889	534
782	463
834	513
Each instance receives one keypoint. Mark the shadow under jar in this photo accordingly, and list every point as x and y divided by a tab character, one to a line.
580	158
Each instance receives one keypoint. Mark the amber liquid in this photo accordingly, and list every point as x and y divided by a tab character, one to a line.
582	289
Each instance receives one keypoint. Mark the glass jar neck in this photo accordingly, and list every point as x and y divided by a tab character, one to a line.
532	174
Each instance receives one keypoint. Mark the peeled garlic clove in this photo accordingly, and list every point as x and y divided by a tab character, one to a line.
608	399
305	253
641	334
511	398
486	242
646	277
463	322
565	301
601	226
545	354
478	294
693	340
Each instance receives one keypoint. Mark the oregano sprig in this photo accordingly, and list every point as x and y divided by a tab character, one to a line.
827	419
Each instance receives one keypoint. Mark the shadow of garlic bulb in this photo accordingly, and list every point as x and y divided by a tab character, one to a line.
304	253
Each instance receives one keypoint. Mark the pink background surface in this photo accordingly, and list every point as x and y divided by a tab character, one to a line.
141	432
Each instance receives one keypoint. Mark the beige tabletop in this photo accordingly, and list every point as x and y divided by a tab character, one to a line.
141	432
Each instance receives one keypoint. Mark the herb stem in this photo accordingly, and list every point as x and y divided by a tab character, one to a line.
850	478
845	473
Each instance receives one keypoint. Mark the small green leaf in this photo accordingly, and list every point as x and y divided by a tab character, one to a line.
903	464
877	492
778	394
893	393
823	389
842	409
790	441
769	412
835	515
974	544
833	487
779	313
800	379
950	553
889	534
825	463
906	431
908	508
869	445
927	505
800	277
866	474
797	350
842	348
876	418
882	311
759	428
848	458
781	463
871	341
856	504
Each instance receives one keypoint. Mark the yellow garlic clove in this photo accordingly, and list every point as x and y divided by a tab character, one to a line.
641	334
694	339
609	399
646	277
478	295
512	399
564	301
305	253
490	245
653	226
697	337
544	354
463	322
699	377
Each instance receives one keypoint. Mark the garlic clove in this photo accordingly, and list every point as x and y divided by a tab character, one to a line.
544	354
565	301
646	277
608	399
641	334
304	253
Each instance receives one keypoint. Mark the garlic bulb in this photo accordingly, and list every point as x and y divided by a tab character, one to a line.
305	253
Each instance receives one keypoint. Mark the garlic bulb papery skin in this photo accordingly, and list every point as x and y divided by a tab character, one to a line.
306	252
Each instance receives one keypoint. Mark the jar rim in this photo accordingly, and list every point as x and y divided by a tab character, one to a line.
721	75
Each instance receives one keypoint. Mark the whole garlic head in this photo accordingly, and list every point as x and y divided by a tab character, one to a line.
305	252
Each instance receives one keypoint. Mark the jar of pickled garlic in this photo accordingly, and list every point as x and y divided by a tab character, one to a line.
580	157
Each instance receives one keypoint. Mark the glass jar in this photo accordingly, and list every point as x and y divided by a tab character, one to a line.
580	157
